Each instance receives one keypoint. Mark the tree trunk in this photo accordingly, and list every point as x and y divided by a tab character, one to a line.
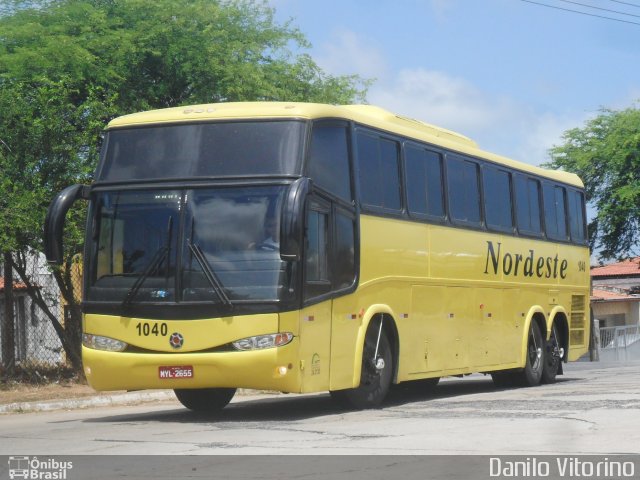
8	326
70	342
73	335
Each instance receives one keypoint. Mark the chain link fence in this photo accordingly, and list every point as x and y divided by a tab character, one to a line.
38	351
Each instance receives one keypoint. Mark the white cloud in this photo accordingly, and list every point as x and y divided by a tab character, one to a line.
438	98
348	53
629	99
498	123
541	132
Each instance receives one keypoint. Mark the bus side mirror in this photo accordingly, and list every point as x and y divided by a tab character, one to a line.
54	222
292	224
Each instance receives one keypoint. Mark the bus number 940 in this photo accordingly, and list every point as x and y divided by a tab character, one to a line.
146	329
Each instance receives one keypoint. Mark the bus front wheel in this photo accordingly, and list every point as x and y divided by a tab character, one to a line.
375	379
205	399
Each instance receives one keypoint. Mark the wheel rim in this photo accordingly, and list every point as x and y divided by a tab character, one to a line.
373	368
535	351
554	352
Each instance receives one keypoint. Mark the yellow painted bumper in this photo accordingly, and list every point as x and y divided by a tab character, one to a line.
257	369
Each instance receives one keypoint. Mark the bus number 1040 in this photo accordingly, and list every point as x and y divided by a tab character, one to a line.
145	329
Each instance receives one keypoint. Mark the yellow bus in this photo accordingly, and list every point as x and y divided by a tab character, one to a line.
304	247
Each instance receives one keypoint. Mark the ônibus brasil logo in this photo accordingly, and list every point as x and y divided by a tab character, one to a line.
34	468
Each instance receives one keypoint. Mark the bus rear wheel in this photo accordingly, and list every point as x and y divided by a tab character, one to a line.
375	378
205	399
553	357
531	375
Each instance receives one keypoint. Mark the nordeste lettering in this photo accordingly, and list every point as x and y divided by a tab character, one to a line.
525	265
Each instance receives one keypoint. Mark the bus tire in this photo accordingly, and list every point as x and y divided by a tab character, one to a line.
531	375
552	358
205	399
374	381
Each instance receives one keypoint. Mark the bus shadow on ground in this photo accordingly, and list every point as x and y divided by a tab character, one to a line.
417	391
301	407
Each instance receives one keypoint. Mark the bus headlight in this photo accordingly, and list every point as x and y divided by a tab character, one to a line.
98	342
263	341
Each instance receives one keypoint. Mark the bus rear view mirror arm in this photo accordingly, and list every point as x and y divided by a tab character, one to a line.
292	224
54	222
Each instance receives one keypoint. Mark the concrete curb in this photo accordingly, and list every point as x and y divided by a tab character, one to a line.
86	402
116	399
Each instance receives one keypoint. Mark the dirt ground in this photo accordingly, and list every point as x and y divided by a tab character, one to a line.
24	392
20	392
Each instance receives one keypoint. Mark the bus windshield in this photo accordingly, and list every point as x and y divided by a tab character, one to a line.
213	245
218	149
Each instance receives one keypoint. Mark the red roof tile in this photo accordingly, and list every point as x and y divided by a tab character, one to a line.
609	295
16	286
627	268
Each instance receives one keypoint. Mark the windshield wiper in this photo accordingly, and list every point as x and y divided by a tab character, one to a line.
155	262
209	274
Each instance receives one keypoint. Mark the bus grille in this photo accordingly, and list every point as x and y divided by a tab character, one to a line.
577	320
578	303
577	337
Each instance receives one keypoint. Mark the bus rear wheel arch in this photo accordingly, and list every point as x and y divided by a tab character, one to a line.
531	374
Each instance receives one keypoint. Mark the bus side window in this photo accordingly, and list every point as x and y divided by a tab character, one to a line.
528	205
576	216
463	190
555	216
330	263
329	160
344	272
424	182
378	172
497	199
316	262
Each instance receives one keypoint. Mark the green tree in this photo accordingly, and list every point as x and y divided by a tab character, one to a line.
605	153
68	66
43	148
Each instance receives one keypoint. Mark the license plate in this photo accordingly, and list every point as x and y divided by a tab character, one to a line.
185	371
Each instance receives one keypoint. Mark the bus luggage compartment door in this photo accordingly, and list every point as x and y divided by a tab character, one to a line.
439	324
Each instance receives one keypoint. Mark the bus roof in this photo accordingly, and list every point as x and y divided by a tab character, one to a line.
364	114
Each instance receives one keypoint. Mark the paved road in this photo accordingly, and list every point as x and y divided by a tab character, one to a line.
592	409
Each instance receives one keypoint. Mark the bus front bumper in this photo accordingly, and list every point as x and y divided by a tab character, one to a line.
268	369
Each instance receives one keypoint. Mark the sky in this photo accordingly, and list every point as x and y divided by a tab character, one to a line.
511	74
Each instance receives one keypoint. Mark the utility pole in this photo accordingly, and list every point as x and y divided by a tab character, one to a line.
594	338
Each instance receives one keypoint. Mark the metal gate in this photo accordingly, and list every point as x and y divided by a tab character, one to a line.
620	343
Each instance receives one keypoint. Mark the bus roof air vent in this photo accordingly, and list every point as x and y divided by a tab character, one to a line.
416	125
